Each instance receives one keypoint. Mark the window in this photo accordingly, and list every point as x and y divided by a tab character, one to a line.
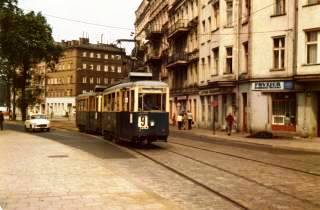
229	12
91	66
216	15
216	60
119	69
203	63
280	7
209	64
98	68
246	10
278	53
209	23
91	80
98	80
105	80
84	66
91	55
246	56
112	68
84	54
106	56
228	60
112	56
284	111
84	80
105	68
203	26
312	47
98	55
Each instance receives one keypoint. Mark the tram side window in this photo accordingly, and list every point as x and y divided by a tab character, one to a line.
112	102
91	103
132	101
163	100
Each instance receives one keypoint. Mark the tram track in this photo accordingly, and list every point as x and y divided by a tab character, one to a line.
248	159
233	201
210	189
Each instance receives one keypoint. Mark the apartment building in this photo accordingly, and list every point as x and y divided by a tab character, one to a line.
82	67
258	60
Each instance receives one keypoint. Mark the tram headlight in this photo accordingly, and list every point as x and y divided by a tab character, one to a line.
152	123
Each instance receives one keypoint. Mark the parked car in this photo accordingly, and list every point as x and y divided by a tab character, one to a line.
37	122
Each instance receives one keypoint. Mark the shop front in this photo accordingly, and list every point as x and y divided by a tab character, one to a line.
277	100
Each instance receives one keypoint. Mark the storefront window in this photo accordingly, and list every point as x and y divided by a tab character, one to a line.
284	111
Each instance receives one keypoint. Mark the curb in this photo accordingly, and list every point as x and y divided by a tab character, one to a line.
220	138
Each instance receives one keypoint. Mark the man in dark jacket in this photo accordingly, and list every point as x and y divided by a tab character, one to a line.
1	120
230	121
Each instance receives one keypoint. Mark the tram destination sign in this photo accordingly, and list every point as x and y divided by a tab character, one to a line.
272	85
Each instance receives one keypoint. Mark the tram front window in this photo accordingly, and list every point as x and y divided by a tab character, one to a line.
151	102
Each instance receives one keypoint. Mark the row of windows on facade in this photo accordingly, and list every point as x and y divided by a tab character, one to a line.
97	80
279	47
106	68
60	81
100	55
61	93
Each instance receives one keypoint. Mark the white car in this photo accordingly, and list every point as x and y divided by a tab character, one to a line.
37	122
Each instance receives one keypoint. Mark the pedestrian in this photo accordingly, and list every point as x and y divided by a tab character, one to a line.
174	120
52	114
179	119
230	120
189	120
1	120
185	120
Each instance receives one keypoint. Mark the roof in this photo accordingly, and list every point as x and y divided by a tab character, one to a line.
150	83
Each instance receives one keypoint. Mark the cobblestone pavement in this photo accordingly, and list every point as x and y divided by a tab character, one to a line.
60	171
300	160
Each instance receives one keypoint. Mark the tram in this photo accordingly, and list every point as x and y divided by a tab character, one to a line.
136	111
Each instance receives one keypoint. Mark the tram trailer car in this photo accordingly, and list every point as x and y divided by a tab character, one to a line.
136	112
133	111
88	115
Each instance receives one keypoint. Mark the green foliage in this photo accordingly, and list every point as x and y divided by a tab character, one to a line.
25	40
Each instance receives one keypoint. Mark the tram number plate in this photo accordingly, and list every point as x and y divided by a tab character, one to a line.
143	122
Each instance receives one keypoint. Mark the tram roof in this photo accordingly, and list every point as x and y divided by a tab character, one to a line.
87	94
149	83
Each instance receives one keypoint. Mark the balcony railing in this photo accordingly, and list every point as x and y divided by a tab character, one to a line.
153	32
178	28
178	58
193	56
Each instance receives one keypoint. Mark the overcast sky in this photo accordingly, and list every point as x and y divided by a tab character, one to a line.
118	13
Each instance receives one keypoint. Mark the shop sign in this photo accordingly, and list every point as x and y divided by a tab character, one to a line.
273	85
180	98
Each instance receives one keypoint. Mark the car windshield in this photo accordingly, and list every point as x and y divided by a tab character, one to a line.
33	117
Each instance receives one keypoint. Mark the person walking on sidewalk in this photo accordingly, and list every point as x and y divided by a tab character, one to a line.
230	121
1	120
179	119
189	114
185	121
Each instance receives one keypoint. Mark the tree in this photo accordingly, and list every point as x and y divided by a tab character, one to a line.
26	39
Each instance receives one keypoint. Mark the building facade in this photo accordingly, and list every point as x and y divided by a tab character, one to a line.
257	60
81	68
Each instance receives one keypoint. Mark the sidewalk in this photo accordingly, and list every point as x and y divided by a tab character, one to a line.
295	144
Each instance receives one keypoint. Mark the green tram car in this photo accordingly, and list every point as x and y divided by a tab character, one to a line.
132	111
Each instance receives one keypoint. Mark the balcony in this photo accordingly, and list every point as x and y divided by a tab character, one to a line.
163	75
193	56
190	89
178	29
153	32
153	56
193	23
177	60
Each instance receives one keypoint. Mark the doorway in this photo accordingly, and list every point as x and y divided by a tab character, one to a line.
245	112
